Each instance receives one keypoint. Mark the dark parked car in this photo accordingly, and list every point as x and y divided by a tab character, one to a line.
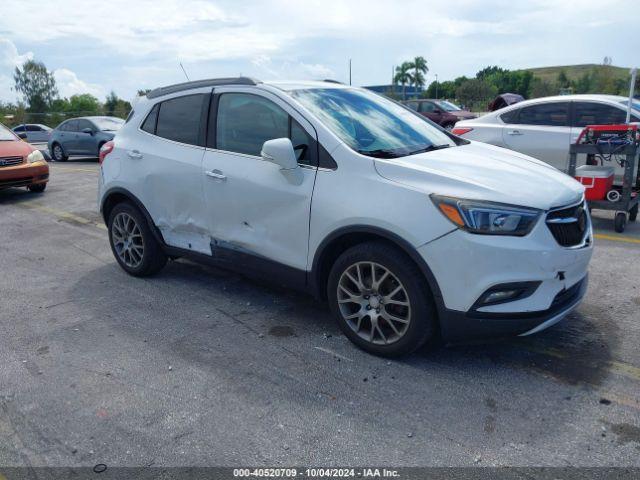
35	132
82	136
442	112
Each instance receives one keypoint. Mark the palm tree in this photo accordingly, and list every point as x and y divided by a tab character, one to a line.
403	77
420	69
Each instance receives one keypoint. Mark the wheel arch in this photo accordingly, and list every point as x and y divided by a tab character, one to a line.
340	240
117	195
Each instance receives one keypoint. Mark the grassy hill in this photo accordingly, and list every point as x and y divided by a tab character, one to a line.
574	72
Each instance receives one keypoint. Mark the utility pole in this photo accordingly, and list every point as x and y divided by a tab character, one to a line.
349	71
436	86
634	73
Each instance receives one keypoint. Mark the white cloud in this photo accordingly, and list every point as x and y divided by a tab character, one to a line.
69	84
9	60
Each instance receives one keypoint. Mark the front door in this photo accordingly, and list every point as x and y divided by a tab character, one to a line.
542	131
255	212
86	142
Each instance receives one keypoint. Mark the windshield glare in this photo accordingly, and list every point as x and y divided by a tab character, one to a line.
371	124
6	134
108	124
448	106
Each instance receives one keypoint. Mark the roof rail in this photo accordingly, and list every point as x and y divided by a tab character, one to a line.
211	82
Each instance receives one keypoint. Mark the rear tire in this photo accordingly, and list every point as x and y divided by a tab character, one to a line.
633	213
620	222
368	311
57	153
37	188
133	244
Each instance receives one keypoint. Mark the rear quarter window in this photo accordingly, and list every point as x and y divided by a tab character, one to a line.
179	119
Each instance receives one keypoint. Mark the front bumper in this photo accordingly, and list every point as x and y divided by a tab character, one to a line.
460	326
24	174
465	266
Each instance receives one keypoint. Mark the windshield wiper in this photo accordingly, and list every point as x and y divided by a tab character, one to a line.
379	153
430	148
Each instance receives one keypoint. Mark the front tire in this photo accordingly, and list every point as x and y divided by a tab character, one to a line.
381	300
132	242
37	188
57	153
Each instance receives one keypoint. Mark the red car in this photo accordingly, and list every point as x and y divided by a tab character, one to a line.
21	165
442	112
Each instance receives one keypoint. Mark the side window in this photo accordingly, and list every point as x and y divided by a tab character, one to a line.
590	113
413	105
179	119
82	124
246	121
549	114
72	126
510	117
427	107
149	124
303	144
33	128
21	128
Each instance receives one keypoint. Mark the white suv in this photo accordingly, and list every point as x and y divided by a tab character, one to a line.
409	232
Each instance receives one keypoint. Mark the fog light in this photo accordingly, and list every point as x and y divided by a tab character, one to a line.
500	296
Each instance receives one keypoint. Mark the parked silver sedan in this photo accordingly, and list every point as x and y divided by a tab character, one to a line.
36	132
545	127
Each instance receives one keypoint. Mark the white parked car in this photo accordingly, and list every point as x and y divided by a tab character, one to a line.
408	232
35	132
545	127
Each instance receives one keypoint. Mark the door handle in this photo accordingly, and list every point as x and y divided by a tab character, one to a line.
216	174
135	154
514	132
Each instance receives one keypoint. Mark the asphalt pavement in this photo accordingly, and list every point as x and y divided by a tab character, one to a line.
199	366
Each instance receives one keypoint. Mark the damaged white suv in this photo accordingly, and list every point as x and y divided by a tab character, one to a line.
409	232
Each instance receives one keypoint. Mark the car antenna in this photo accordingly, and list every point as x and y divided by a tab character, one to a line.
185	72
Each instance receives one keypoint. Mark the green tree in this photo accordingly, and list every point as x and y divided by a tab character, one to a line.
475	92
115	106
583	84
420	70
563	80
84	104
403	77
542	88
36	84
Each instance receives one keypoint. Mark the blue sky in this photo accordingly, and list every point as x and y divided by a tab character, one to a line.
126	45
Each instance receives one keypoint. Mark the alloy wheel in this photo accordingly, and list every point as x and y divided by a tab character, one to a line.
374	303
127	240
57	152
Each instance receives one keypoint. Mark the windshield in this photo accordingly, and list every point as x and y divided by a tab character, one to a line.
108	124
448	106
635	104
371	124
6	134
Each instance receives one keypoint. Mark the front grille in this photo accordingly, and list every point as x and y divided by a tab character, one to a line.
569	225
10	161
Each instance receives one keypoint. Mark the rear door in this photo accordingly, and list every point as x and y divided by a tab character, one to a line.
431	111
165	161
255	212
542	130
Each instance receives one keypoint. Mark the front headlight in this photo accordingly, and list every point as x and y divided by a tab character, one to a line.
487	217
35	156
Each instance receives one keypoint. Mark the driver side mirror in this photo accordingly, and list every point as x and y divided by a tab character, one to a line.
87	130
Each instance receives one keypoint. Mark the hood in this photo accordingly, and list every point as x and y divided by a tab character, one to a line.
15	148
484	172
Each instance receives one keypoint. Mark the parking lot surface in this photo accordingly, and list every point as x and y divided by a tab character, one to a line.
199	366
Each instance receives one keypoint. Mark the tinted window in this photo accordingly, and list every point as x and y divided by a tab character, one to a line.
71	126
19	129
82	124
510	117
412	105
179	119
427	107
550	114
587	113
33	128
149	125
303	144
246	121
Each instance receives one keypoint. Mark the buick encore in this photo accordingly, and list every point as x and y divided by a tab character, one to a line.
408	232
